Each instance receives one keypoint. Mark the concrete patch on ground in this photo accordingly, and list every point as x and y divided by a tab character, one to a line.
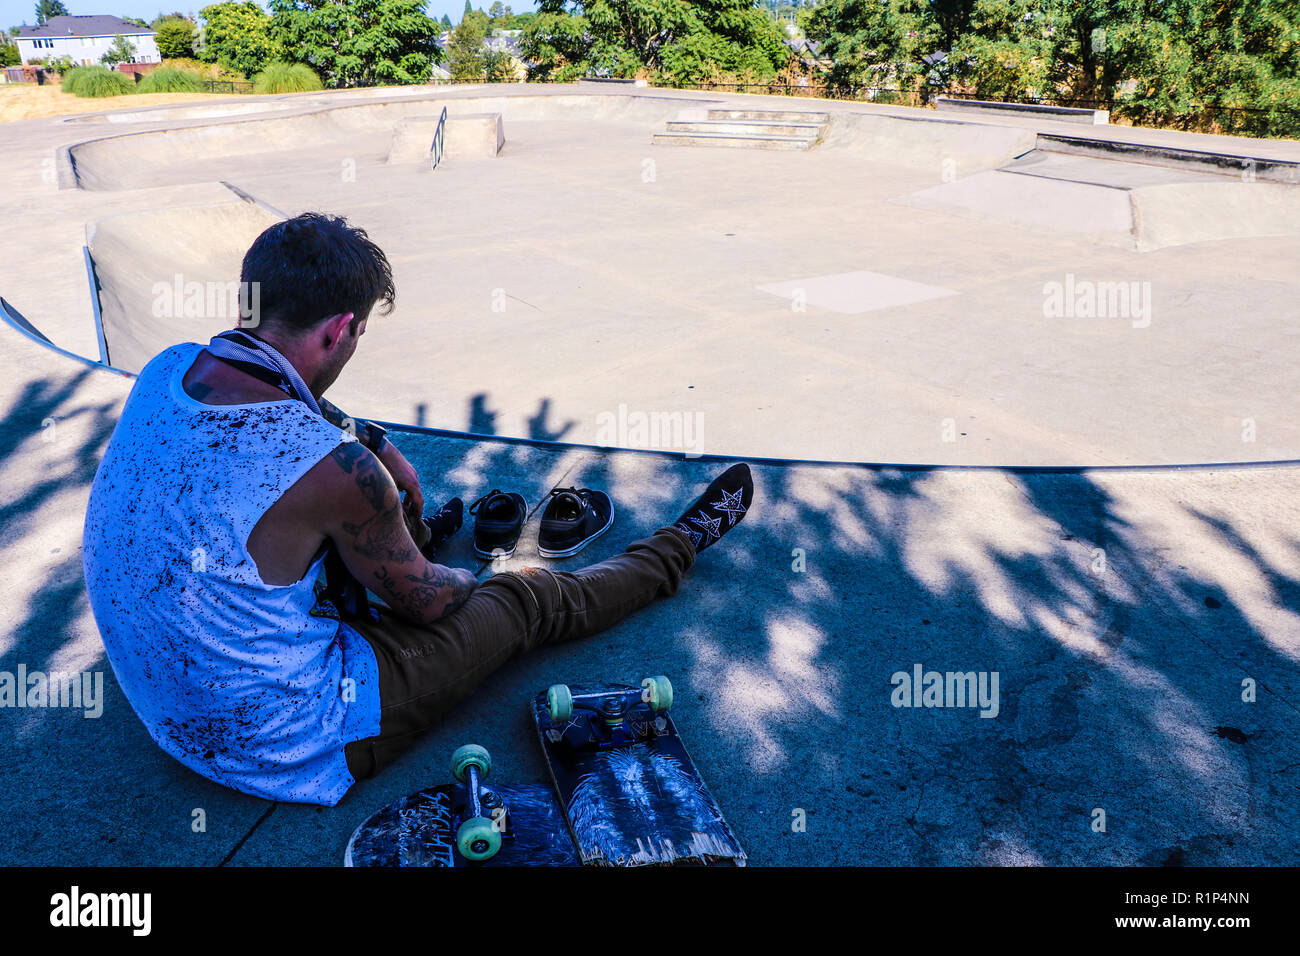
852	293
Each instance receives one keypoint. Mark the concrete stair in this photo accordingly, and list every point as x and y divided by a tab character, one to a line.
747	129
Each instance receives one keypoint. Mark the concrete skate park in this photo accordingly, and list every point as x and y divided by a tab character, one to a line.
1017	390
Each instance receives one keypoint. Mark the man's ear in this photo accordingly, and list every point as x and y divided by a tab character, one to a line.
335	327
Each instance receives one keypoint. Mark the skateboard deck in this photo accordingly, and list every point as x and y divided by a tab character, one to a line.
630	793
626	793
420	830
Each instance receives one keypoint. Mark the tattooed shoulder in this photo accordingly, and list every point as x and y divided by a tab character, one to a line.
351	456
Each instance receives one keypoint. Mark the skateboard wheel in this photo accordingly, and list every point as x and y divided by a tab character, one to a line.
657	692
470	755
559	701
478	839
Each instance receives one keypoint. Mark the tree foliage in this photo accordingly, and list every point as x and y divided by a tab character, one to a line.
357	42
237	35
121	50
49	8
1158	58
674	39
174	37
466	54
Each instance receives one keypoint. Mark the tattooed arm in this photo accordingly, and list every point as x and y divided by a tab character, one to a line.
365	521
398	467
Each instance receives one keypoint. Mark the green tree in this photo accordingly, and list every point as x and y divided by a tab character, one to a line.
557	45
498	66
358	42
49	8
9	55
674	37
237	35
873	43
446	22
1181	54
121	50
164	17
175	38
466	54
1156	60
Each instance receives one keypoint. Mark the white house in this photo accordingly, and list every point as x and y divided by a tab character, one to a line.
84	39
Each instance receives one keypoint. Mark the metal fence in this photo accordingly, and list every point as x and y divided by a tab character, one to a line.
227	86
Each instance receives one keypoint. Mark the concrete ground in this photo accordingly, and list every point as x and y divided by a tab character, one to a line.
1142	622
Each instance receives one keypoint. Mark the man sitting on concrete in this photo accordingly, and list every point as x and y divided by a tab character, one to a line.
227	485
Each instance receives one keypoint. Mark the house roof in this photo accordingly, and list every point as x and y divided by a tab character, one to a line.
99	25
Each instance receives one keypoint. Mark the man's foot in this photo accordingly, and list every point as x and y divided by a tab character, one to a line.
442	525
721	507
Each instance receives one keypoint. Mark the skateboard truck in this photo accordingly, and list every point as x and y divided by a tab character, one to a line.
479	837
608	711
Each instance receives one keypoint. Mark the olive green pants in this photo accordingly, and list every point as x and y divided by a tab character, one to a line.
426	670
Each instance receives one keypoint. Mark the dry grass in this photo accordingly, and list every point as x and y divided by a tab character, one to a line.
20	101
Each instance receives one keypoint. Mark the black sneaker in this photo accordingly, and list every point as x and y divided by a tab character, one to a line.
442	525
572	519
499	519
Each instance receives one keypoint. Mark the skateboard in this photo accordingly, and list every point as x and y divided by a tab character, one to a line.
468	823
625	793
630	792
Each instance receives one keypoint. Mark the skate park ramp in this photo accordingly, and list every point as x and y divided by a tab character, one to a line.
152	293
1130	204
882	297
367	132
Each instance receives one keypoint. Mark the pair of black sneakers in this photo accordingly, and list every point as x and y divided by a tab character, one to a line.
571	520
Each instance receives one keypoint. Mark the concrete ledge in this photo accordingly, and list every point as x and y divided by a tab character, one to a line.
1062	114
467	136
1248	168
613	79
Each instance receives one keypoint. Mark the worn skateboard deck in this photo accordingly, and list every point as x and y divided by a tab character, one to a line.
420	830
631	795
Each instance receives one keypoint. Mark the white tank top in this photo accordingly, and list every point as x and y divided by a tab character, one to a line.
252	685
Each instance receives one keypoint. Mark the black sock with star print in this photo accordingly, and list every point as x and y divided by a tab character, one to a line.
720	508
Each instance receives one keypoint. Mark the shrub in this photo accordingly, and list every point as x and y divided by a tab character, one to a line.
96	81
60	64
72	78
205	71
286	78
170	80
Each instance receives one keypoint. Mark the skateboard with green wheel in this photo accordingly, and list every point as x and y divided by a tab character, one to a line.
626	793
466	824
630	793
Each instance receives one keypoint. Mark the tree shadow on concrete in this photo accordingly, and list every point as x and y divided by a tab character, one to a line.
1120	653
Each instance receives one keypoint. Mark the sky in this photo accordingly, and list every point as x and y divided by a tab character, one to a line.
16	12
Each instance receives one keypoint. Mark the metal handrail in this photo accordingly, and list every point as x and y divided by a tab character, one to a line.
436	149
